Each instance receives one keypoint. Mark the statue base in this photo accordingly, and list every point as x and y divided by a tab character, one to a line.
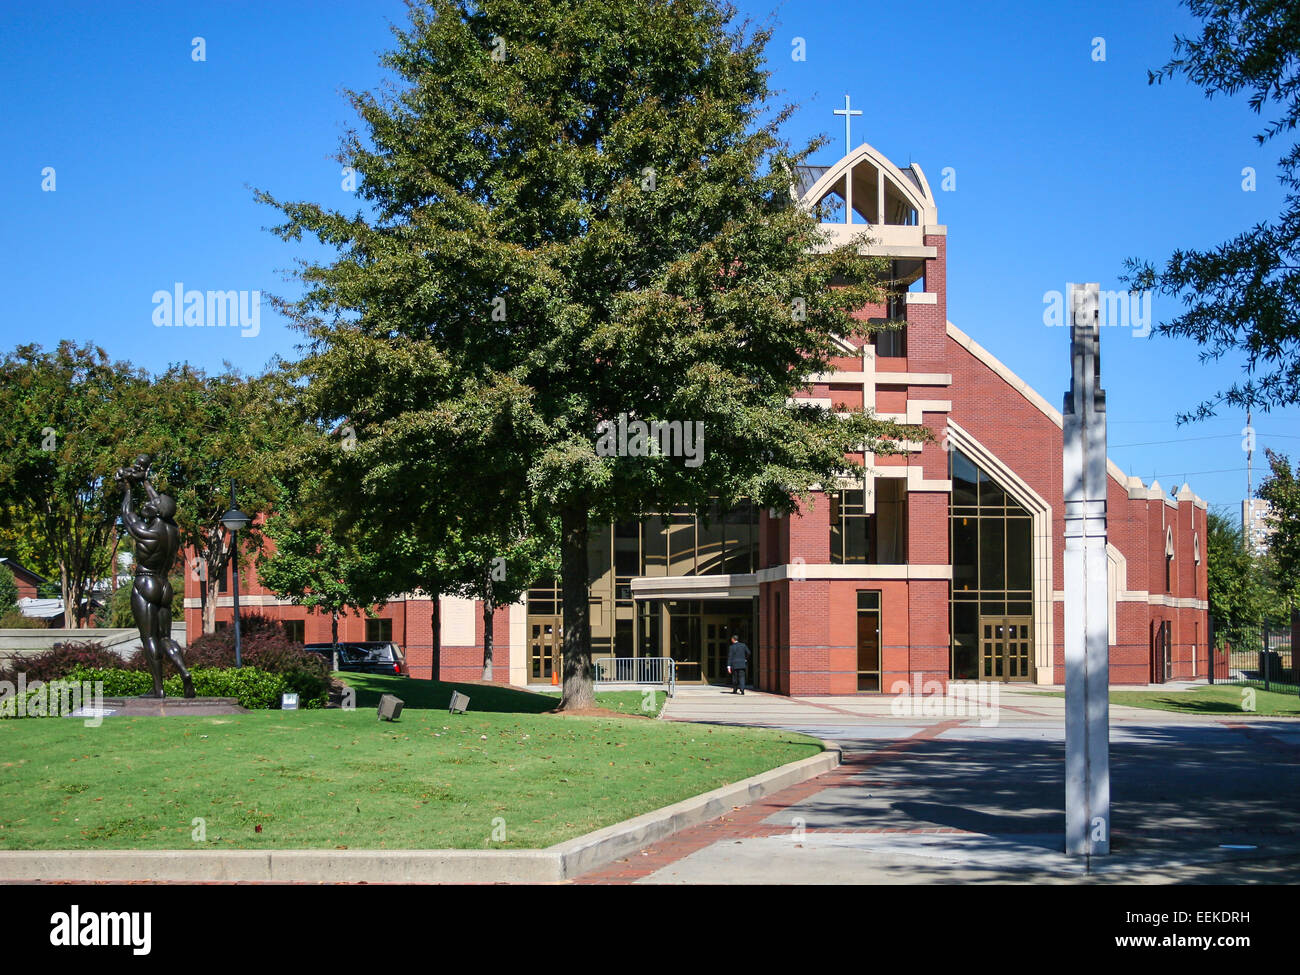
164	707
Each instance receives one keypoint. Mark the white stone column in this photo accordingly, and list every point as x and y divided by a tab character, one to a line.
1087	650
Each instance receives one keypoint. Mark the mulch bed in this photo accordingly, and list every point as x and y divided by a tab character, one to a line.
595	713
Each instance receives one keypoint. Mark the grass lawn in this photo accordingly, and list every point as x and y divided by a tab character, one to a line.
493	697
1216	699
647	704
1208	699
336	779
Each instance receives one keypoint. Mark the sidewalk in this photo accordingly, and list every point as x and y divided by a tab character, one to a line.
970	799
893	715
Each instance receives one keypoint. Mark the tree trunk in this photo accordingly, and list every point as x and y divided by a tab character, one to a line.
112	565
69	611
334	635
73	589
577	692
487	627
215	559
436	624
208	609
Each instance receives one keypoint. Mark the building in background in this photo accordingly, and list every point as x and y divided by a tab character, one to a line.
944	563
1254	524
30	603
27	581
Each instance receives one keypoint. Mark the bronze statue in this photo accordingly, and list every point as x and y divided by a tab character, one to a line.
157	541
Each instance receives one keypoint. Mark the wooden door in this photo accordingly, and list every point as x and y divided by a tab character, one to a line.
869	650
1006	648
545	638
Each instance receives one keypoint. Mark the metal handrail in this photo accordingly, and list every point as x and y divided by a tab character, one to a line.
637	670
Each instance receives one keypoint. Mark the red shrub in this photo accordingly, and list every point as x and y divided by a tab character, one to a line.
263	643
59	660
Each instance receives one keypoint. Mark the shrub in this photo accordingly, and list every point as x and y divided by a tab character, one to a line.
305	673
14	620
264	645
273	664
47	699
256	632
60	660
8	589
255	689
117	681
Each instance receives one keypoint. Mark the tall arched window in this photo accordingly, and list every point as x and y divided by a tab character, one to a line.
992	577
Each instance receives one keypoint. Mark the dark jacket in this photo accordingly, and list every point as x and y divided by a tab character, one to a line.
737	655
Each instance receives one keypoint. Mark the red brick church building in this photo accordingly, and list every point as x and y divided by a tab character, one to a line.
946	563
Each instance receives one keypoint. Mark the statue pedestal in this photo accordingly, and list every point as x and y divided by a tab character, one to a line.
162	707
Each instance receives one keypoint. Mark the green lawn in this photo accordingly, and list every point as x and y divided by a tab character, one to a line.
1207	699
483	697
647	704
341	779
1216	699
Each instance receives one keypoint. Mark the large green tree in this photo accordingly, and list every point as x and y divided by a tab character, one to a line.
20	539
66	413
1242	591
496	558
1281	489
576	212
210	429
314	565
413	508
1243	296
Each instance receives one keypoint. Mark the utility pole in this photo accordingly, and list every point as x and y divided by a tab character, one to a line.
1248	523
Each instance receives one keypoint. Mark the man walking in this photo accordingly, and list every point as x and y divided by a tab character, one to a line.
737	664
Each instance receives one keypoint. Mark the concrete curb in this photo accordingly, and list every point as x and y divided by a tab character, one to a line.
552	864
584	853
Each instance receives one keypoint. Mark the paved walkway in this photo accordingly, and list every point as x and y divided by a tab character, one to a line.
976	795
892	716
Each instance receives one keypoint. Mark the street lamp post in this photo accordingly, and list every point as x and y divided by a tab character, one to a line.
234	520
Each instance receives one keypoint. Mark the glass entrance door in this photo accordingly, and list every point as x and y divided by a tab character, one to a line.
697	635
1006	648
717	630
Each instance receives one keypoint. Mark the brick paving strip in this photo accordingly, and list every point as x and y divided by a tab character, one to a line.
748	821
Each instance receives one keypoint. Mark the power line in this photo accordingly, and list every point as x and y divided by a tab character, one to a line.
1186	474
1216	436
1170	440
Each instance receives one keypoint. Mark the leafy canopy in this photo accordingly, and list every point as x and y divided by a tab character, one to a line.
1242	296
573	212
576	211
1281	489
65	413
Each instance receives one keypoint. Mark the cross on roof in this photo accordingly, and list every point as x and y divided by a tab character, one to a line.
847	113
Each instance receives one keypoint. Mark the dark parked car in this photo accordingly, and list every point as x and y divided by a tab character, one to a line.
367	657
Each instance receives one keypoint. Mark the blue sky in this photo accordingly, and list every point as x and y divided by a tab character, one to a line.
1064	165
